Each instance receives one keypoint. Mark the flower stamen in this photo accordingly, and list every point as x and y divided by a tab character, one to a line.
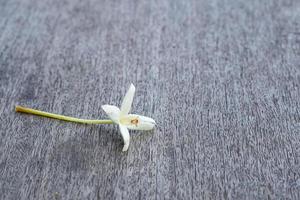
134	122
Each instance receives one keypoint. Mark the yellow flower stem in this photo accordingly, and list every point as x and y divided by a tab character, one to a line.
61	117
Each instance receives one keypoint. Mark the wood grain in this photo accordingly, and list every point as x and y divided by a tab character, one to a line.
221	78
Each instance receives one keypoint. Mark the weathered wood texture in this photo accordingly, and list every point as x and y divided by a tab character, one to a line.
221	78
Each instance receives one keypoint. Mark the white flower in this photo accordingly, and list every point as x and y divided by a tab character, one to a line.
128	121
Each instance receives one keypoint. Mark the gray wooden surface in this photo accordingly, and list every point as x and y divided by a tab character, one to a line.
221	78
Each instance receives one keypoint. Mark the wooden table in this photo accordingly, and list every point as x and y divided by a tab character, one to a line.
221	78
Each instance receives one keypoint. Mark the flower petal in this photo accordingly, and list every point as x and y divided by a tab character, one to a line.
127	101
125	136
137	122
113	112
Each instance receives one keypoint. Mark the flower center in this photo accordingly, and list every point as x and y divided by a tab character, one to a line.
130	120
